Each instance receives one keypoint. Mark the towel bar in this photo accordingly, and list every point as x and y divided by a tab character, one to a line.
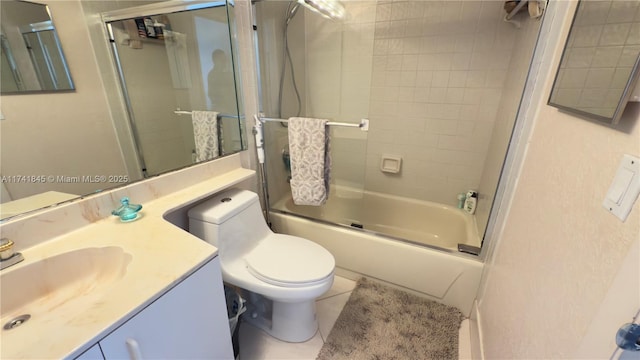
362	125
182	112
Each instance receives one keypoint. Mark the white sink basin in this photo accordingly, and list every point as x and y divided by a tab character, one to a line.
74	279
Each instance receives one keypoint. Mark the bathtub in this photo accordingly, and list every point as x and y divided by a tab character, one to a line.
418	252
420	222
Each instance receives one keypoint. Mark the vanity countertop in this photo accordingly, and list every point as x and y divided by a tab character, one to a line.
160	255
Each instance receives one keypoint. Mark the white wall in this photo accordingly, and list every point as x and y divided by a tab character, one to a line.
438	72
559	250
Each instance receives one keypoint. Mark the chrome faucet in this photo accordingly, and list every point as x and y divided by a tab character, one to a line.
7	256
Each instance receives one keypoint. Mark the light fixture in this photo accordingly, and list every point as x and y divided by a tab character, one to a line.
330	9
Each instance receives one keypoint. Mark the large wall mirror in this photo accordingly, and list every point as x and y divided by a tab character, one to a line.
143	69
32	57
599	66
173	62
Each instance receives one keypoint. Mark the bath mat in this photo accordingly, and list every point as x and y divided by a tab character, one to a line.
379	322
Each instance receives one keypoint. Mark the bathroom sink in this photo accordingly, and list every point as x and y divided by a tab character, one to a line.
73	279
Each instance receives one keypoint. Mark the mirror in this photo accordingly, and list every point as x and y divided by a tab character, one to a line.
56	147
599	65
172	64
32	57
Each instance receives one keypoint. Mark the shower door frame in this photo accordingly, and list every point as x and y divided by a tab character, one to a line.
541	63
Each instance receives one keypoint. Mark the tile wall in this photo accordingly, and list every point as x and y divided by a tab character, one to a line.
339	66
430	76
439	68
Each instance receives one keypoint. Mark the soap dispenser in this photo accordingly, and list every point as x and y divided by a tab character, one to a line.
127	212
471	202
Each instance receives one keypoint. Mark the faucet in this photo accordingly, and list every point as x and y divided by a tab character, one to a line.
7	256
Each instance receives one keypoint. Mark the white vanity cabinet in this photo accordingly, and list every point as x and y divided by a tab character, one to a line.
94	353
188	322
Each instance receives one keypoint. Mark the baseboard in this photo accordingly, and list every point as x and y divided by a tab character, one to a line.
475	332
348	274
464	344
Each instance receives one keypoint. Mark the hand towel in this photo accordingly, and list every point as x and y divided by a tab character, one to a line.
205	134
310	160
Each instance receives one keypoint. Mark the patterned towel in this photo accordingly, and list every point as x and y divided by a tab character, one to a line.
205	134
310	160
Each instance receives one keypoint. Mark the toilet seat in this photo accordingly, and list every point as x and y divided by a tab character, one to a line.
273	261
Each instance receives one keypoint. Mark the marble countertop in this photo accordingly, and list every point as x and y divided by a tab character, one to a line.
161	255
15	207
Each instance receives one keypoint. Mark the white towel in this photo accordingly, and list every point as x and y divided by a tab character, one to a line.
310	160
205	134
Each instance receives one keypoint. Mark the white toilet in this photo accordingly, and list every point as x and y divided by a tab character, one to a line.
282	274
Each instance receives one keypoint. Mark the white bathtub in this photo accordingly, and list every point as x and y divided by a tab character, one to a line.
420	254
420	222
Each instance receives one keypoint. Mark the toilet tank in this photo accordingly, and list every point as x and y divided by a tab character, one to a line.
232	221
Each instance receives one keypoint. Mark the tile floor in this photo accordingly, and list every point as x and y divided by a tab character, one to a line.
257	345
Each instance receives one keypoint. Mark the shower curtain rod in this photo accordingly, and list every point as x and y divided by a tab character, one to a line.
362	125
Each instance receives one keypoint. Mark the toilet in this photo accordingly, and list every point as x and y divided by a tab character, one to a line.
282	275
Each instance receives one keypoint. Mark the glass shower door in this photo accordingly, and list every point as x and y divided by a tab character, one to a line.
348	162
320	69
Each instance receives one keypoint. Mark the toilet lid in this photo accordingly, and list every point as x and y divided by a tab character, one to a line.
286	260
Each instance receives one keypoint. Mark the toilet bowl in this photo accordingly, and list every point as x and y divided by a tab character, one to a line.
281	274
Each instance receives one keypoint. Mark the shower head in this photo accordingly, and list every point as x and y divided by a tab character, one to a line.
331	9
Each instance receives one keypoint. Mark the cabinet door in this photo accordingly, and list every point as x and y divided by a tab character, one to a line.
93	353
188	322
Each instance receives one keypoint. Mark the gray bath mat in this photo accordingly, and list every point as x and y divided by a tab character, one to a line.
379	322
